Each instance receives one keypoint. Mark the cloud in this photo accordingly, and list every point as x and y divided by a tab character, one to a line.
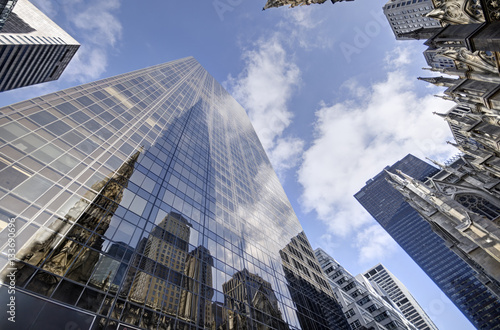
355	139
264	88
48	7
374	242
94	24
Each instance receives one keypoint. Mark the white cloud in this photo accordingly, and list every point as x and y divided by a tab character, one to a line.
264	88
99	30
94	24
88	63
400	57
98	20
374	242
355	139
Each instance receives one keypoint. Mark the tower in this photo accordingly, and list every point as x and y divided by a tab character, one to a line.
458	281
371	307
33	49
406	16
148	191
398	293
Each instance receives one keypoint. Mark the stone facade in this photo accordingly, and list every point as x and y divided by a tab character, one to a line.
295	3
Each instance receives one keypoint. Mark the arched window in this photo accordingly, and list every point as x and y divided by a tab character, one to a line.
479	205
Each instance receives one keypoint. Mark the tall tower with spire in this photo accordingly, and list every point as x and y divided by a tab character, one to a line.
464	210
467	287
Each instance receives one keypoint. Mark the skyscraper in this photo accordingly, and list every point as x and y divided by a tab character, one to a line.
6	7
141	200
33	49
398	293
363	302
409	15
450	273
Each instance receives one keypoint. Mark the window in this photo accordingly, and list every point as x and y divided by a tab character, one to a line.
349	313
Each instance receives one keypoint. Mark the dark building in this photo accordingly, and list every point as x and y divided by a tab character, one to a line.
33	49
6	7
408	15
315	300
138	202
414	234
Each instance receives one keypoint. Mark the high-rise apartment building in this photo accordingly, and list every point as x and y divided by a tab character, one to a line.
33	49
450	273
408	15
364	303
398	293
146	200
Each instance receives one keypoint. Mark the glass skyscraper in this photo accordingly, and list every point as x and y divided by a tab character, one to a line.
146	200
413	233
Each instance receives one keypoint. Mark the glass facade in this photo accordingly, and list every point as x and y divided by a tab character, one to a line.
146	200
413	233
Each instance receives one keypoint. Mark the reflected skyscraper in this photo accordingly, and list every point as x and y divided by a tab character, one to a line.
248	297
137	200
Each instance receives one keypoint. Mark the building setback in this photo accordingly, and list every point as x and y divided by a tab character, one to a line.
146	200
460	282
398	293
364	303
33	49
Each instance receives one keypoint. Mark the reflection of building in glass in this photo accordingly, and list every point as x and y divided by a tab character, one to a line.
460	282
94	216
164	252
251	303
34	49
309	289
58	256
109	271
371	308
197	290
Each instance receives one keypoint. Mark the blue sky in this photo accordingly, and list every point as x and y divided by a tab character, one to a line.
331	93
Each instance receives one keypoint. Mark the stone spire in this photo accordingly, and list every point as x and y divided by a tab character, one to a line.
440	81
295	3
421	33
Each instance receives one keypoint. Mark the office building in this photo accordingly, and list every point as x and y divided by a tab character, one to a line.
6	7
460	282
365	304
309	289
398	293
408	15
142	201
33	49
462	206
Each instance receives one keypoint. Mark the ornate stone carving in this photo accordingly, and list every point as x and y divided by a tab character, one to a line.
478	60
457	11
492	10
